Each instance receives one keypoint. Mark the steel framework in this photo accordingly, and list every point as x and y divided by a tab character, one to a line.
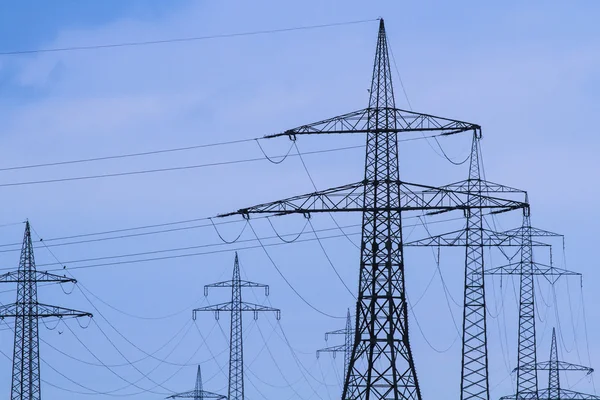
26	311
381	327
526	269
236	307
345	348
554	366
198	393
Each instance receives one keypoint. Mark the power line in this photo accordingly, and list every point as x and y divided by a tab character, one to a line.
263	246
167	169
159	251
45	241
229	249
181	40
127	155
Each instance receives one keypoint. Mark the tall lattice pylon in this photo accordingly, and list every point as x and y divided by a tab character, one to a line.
526	269
198	393
382	364
345	348
236	307
26	311
554	391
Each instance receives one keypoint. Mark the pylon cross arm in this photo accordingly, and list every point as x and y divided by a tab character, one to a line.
566	394
16	277
337	332
333	349
484	186
230	284
192	394
537	269
244	306
241	284
562	366
361	122
412	197
41	311
534	232
459	238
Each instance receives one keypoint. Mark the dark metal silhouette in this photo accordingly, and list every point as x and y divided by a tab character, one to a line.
236	306
26	311
381	365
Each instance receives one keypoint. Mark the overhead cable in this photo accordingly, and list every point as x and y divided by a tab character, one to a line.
180	40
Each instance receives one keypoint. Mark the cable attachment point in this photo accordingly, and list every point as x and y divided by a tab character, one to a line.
291	135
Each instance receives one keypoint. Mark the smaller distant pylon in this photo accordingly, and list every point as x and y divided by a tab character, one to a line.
554	366
345	348
198	393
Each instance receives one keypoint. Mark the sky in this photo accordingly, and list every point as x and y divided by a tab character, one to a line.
526	73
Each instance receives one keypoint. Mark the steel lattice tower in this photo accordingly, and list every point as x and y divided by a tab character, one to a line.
381	364
345	348
526	269
236	307
26	311
554	366
474	383
198	393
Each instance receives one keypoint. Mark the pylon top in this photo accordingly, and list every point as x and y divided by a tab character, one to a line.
382	91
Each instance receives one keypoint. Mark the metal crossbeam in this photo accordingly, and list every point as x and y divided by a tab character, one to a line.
411	197
361	122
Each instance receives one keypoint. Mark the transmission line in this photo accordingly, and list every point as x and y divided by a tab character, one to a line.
181	40
128	155
160	170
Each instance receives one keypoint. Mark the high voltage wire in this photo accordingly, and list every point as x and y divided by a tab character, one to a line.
167	169
211	245
144	375
218	223
181	40
128	155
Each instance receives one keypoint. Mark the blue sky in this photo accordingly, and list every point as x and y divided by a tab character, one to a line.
526	73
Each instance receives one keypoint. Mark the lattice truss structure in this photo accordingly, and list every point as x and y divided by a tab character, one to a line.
198	393
27	311
236	307
554	391
381	364
346	347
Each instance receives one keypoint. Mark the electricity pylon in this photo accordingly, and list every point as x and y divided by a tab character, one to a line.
26	311
526	269
381	364
236	306
554	366
345	348
198	393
